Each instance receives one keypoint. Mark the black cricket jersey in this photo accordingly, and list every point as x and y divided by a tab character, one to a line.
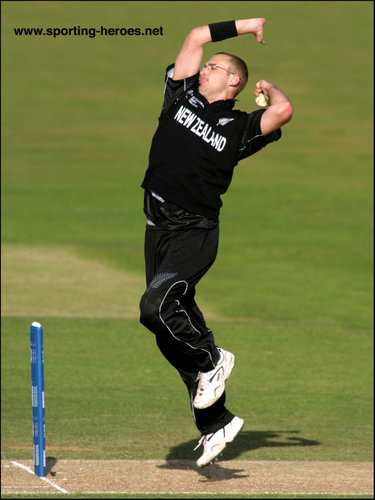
197	145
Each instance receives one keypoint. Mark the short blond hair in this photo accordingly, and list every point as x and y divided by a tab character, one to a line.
238	66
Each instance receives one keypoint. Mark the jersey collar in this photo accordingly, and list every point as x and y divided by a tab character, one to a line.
223	103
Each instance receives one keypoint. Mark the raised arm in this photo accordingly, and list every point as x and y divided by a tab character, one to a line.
189	59
280	108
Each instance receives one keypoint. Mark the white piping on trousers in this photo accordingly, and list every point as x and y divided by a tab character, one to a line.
192	407
188	317
170	331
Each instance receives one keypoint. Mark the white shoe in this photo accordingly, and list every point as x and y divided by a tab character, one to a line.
213	444
211	384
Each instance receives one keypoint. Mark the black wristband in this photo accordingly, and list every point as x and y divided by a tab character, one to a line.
221	31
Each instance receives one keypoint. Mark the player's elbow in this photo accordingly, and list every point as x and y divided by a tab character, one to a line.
276	116
285	112
196	36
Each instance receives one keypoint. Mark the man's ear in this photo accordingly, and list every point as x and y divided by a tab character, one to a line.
234	80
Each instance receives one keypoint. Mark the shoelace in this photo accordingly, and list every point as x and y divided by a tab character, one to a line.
203	439
200	442
203	383
206	375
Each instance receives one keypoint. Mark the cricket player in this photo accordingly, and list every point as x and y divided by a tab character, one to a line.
199	140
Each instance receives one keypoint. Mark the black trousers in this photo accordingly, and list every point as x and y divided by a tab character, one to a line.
175	262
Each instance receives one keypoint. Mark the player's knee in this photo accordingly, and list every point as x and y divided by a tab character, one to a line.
149	309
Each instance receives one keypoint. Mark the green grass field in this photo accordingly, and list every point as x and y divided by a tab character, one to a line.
291	291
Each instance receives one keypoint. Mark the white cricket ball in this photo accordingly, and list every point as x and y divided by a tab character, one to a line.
261	101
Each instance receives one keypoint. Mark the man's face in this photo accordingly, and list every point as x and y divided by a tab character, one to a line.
215	75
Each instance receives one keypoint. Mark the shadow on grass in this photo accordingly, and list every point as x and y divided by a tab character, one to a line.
245	441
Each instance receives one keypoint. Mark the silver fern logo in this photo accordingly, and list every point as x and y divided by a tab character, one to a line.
224	121
161	278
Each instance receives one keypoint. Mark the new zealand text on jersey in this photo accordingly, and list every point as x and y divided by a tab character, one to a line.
200	128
